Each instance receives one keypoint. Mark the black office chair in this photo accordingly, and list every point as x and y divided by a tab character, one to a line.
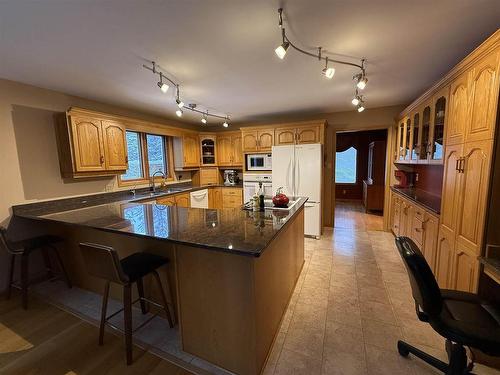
463	319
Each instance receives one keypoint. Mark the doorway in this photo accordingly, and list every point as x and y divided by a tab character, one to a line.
360	170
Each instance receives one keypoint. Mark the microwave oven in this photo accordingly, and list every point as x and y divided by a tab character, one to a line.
259	162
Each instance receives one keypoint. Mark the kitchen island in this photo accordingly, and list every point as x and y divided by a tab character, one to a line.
234	271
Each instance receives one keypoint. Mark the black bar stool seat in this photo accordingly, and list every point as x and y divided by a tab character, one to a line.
138	265
103	262
23	249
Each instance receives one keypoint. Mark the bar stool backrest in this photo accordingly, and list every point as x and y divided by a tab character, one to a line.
103	262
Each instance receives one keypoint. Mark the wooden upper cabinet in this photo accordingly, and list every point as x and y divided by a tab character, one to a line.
285	136
440	111
191	150
308	134
224	150
265	139
249	139
484	85
458	110
257	140
425	137
475	171
415	144
87	144
115	145
237	149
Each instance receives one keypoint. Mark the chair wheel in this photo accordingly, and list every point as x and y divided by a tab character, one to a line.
403	351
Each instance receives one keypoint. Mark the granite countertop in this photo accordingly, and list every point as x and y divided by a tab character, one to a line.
229	230
422	197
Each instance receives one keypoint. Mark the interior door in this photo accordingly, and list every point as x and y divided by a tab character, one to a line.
115	145
87	144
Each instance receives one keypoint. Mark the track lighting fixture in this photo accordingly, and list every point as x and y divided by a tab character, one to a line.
361	108
162	85
191	107
328	72
357	98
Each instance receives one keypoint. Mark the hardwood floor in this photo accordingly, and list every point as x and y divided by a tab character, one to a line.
351	215
47	340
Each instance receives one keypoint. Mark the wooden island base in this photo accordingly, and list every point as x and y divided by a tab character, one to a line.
231	306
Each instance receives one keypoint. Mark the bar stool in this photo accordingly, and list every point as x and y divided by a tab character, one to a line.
103	262
23	249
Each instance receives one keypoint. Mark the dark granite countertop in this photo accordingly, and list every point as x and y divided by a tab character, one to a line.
422	197
229	230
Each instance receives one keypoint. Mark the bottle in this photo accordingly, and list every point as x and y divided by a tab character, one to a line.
260	193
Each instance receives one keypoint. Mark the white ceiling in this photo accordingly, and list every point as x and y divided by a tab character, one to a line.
222	51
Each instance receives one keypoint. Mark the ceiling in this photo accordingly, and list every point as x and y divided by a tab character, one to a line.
222	51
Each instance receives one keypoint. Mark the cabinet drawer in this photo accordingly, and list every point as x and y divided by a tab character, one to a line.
227	192
231	202
417	233
419	213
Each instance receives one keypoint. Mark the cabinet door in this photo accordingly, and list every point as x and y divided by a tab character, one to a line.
182	200
308	134
473	194
409	138
215	198
191	151
115	146
396	217
237	151
404	221
451	187
285	136
425	138
431	228
483	99
87	144
249	139
167	201
209	176
401	140
440	103
224	150
265	139
444	258
465	271
415	145
458	110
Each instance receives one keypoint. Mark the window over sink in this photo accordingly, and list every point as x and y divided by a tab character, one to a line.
147	154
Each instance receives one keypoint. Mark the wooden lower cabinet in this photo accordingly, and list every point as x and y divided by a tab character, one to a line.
167	201
215	198
179	200
232	197
465	271
431	229
444	258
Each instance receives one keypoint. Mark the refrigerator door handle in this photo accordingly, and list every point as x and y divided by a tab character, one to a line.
297	188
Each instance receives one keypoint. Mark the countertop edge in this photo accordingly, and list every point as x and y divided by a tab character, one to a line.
407	196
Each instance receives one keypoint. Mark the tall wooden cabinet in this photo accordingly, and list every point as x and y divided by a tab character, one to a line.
187	151
90	145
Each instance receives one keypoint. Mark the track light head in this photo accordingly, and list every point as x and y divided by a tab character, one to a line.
225	124
163	87
179	112
361	108
355	100
179	102
328	72
204	120
281	50
361	80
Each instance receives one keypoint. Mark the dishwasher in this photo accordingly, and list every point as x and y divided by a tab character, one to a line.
199	198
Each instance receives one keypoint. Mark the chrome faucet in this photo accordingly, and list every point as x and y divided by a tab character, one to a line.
152	186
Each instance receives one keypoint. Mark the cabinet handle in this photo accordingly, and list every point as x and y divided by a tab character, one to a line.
102	159
462	164
126	159
456	165
418	230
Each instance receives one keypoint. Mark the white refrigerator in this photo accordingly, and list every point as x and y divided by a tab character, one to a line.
298	169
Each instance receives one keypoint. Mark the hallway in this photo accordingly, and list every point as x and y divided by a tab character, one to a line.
351	215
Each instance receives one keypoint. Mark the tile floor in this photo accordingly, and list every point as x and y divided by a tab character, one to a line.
351	305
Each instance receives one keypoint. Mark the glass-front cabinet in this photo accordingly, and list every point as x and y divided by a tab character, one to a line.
415	146
408	140
401	141
439	123
426	133
208	150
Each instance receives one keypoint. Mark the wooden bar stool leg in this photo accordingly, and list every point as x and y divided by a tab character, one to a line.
24	279
164	298
104	309
140	290
127	305
61	266
46	261
10	277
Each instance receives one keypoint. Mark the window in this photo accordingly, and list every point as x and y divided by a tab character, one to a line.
147	154
345	166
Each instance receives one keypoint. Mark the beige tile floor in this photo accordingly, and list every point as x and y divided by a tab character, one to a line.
350	306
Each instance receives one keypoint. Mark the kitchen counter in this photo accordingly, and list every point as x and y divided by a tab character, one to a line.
425	199
229	230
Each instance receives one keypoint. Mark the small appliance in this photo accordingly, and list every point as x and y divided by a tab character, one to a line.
405	179
259	162
231	177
